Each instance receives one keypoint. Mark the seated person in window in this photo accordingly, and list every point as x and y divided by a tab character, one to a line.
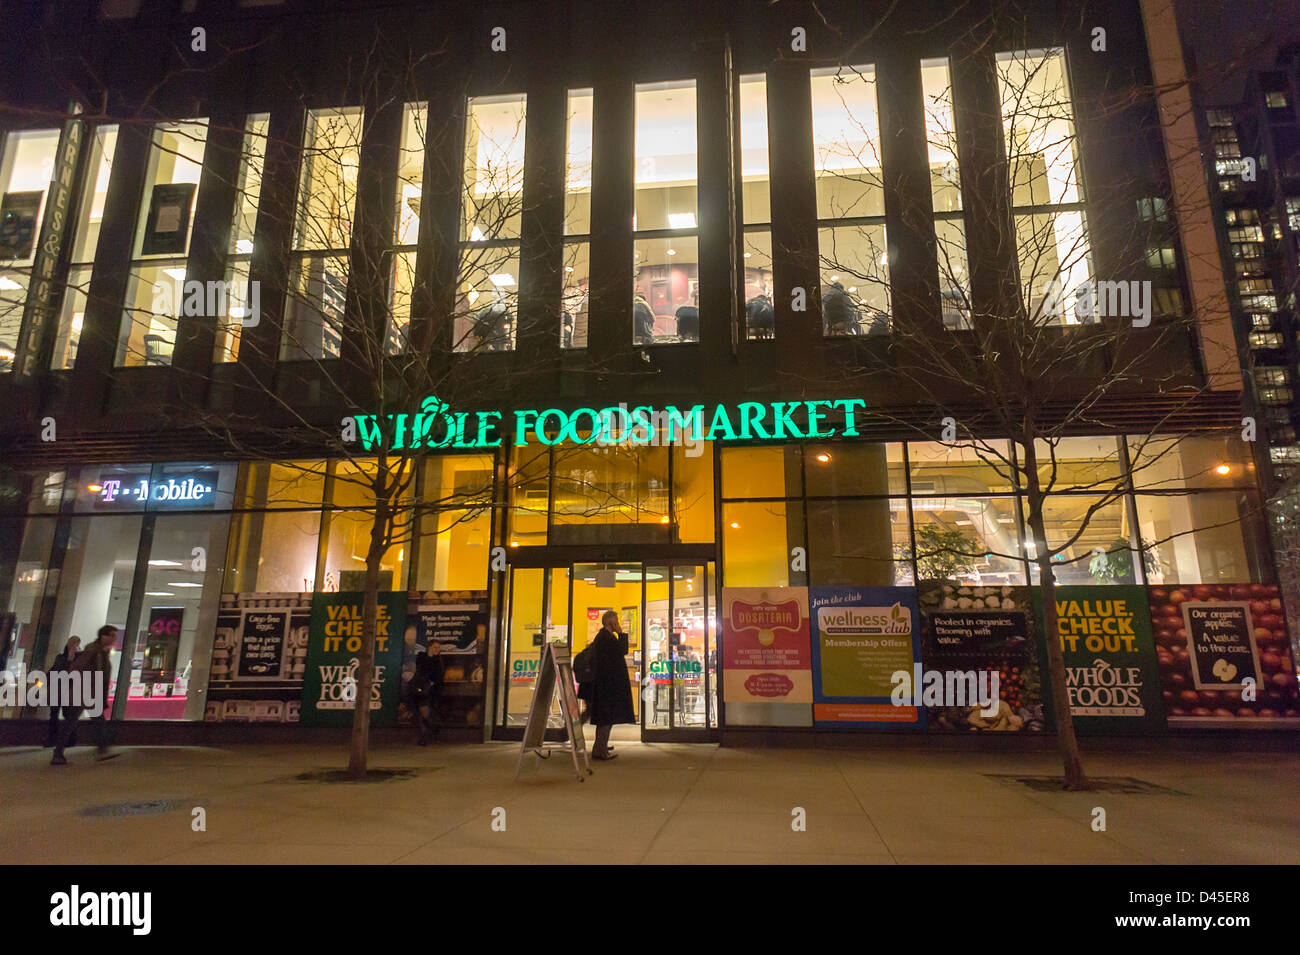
643	321
839	314
492	325
760	317
688	321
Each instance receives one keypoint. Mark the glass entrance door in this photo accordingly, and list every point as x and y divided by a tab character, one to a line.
669	614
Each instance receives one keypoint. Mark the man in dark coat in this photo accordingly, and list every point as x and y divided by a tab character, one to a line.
93	659
609	695
760	317
643	321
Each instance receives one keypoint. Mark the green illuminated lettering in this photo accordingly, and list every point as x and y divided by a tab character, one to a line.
848	404
485	421
815	417
522	424
674	419
367	430
721	422
781	419
751	417
541	430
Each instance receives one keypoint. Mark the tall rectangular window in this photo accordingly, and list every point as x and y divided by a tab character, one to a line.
665	241
487	301
406	227
238	310
85	239
26	167
756	208
577	220
1043	158
852	245
945	192
322	238
162	244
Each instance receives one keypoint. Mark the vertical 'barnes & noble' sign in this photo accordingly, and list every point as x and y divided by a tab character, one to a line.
333	655
1110	660
42	295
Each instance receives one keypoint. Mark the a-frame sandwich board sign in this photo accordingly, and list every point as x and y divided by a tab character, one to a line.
555	668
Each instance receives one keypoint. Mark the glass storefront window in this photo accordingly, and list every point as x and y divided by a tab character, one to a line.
756	266
273	552
1055	259
529	483
95	583
173	646
1204	538
757	539
941	135
969	538
1101	554
846	469
755	175
603	494
487	299
327	192
410	186
693	498
954	273
24	561
455	531
859	543
349	528
1067	464
1174	463
1038	124
767	471
959	468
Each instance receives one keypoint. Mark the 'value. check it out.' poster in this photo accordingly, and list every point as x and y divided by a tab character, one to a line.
333	651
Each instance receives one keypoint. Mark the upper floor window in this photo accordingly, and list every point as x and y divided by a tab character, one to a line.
851	239
240	308
156	288
487	300
756	208
1042	155
945	193
665	257
406	224
26	167
322	235
578	165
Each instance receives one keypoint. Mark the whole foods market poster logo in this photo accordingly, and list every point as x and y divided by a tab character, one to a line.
1105	690
332	676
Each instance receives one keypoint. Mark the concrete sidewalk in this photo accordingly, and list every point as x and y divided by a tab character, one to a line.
657	803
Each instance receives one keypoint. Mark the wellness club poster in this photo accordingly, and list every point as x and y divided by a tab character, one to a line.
862	636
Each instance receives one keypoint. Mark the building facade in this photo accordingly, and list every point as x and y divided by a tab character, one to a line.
629	295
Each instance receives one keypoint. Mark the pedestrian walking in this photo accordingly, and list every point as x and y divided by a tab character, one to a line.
61	663
93	659
608	694
424	689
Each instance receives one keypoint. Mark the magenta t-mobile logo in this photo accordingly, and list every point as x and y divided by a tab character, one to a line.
110	491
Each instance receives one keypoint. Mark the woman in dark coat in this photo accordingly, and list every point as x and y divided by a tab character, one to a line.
609	695
62	662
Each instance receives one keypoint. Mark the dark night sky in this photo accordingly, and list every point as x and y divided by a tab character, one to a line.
1228	38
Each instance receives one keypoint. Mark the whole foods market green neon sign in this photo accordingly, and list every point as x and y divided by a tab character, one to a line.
436	426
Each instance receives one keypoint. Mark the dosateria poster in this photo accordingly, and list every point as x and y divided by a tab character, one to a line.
333	650
1224	655
1110	660
765	652
861	637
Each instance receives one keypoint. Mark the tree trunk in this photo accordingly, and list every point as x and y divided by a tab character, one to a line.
360	747
1075	778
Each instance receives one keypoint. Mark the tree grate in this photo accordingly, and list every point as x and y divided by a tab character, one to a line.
372	775
1126	785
